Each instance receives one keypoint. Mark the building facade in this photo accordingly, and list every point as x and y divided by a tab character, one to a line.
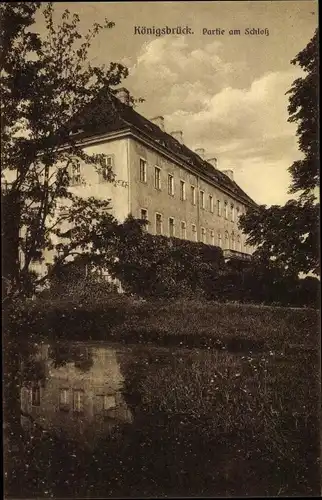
158	178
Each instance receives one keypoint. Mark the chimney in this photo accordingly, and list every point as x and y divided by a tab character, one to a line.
123	95
159	122
213	162
178	134
200	152
229	174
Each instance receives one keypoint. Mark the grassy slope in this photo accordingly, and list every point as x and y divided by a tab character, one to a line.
183	322
271	327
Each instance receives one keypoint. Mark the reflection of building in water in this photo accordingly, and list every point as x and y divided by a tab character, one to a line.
79	399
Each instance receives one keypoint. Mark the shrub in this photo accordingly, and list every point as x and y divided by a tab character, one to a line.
157	266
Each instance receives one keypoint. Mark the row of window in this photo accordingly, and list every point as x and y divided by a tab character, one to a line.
74	399
204	204
103	175
230	241
229	211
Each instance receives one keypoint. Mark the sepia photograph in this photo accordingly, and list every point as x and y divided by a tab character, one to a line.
160	227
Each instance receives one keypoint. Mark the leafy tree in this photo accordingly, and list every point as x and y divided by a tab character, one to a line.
303	110
289	234
45	83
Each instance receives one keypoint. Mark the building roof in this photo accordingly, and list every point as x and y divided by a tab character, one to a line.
109	114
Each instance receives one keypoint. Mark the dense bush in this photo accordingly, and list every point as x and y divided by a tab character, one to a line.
150	267
157	266
307	292
79	282
263	283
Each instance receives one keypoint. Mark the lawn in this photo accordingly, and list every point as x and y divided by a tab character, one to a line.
194	323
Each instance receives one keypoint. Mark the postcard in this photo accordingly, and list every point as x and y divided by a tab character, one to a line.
160	236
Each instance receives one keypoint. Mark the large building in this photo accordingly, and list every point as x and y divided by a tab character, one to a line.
181	193
158	178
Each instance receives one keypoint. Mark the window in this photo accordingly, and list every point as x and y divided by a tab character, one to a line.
212	237
193	195
158	224
76	174
202	199
226	210
108	402
232	209
183	230
157	178
219	240
226	240
64	399
182	190
78	401
170	185
171	227
143	175
219	208
104	402
237	213
233	246
144	216
238	243
203	235
194	232
105	169
35	395
211	204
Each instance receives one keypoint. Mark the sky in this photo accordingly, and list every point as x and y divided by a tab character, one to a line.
225	92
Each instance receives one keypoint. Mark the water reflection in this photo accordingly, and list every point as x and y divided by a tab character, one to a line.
79	393
143	421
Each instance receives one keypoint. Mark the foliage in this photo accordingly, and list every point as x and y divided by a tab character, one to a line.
157	266
46	82
303	109
152	266
264	282
289	234
308	292
76	280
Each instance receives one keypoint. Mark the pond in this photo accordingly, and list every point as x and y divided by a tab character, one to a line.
108	420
